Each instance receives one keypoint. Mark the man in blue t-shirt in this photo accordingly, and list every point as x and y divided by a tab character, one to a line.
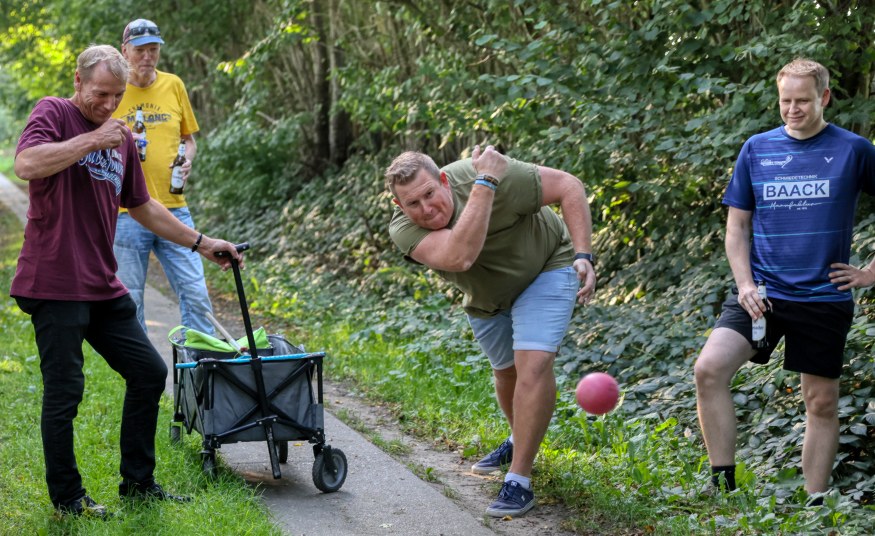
794	191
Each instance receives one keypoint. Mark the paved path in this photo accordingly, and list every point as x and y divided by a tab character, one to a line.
380	496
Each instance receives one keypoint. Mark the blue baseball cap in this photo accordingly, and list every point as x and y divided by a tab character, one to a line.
141	32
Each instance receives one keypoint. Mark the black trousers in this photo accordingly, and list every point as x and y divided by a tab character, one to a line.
112	329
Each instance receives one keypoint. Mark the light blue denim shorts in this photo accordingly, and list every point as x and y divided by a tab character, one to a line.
537	320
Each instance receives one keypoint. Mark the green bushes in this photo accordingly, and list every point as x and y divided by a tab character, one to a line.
246	172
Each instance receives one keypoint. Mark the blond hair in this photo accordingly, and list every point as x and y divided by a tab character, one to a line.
94	55
805	67
405	166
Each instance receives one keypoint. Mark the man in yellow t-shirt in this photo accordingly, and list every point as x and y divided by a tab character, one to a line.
168	118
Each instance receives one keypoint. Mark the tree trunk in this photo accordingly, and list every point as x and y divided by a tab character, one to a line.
340	127
321	65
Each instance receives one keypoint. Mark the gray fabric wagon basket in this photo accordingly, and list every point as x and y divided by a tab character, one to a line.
219	394
216	394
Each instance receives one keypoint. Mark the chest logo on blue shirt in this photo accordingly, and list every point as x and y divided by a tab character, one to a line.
775	191
768	162
105	165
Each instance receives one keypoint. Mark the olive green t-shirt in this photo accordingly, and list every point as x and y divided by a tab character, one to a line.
523	240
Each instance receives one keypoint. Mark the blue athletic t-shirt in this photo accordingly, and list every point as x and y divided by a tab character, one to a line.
803	195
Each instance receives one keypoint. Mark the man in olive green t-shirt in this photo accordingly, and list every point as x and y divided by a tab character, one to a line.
484	225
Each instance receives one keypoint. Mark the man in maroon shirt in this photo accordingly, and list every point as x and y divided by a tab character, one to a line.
81	166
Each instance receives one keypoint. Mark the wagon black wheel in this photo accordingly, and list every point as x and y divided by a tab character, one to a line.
326	480
209	464
282	451
175	433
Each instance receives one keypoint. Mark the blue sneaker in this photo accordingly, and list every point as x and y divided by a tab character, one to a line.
513	500
496	460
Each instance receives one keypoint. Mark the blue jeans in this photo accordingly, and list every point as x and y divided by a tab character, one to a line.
111	328
537	320
183	267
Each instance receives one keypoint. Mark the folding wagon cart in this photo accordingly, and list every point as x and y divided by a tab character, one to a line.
269	391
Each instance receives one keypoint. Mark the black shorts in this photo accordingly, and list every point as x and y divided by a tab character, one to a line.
814	332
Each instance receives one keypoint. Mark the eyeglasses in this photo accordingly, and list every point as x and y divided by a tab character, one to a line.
138	31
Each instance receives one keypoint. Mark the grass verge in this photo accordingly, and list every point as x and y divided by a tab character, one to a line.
223	506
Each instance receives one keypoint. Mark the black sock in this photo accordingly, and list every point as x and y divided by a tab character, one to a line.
728	473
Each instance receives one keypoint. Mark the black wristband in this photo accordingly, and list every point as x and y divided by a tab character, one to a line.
197	242
588	256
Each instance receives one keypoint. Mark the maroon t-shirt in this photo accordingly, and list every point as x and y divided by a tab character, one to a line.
67	252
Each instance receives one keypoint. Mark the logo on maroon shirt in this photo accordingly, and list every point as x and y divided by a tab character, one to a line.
105	165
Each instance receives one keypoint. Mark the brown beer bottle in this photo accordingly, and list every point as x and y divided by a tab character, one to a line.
176	182
140	128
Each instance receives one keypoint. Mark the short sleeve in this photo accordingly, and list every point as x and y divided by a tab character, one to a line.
867	166
187	122
134	192
42	126
404	233
739	193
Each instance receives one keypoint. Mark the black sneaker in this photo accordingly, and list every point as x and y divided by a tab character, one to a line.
496	460
153	491
513	500
85	507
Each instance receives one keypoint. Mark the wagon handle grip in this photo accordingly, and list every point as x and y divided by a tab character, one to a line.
239	247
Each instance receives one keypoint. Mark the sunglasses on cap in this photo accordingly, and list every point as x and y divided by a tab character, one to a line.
141	30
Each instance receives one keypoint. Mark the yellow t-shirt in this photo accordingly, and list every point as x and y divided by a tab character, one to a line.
168	116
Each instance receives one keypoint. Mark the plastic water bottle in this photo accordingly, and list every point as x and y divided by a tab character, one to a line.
758	331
